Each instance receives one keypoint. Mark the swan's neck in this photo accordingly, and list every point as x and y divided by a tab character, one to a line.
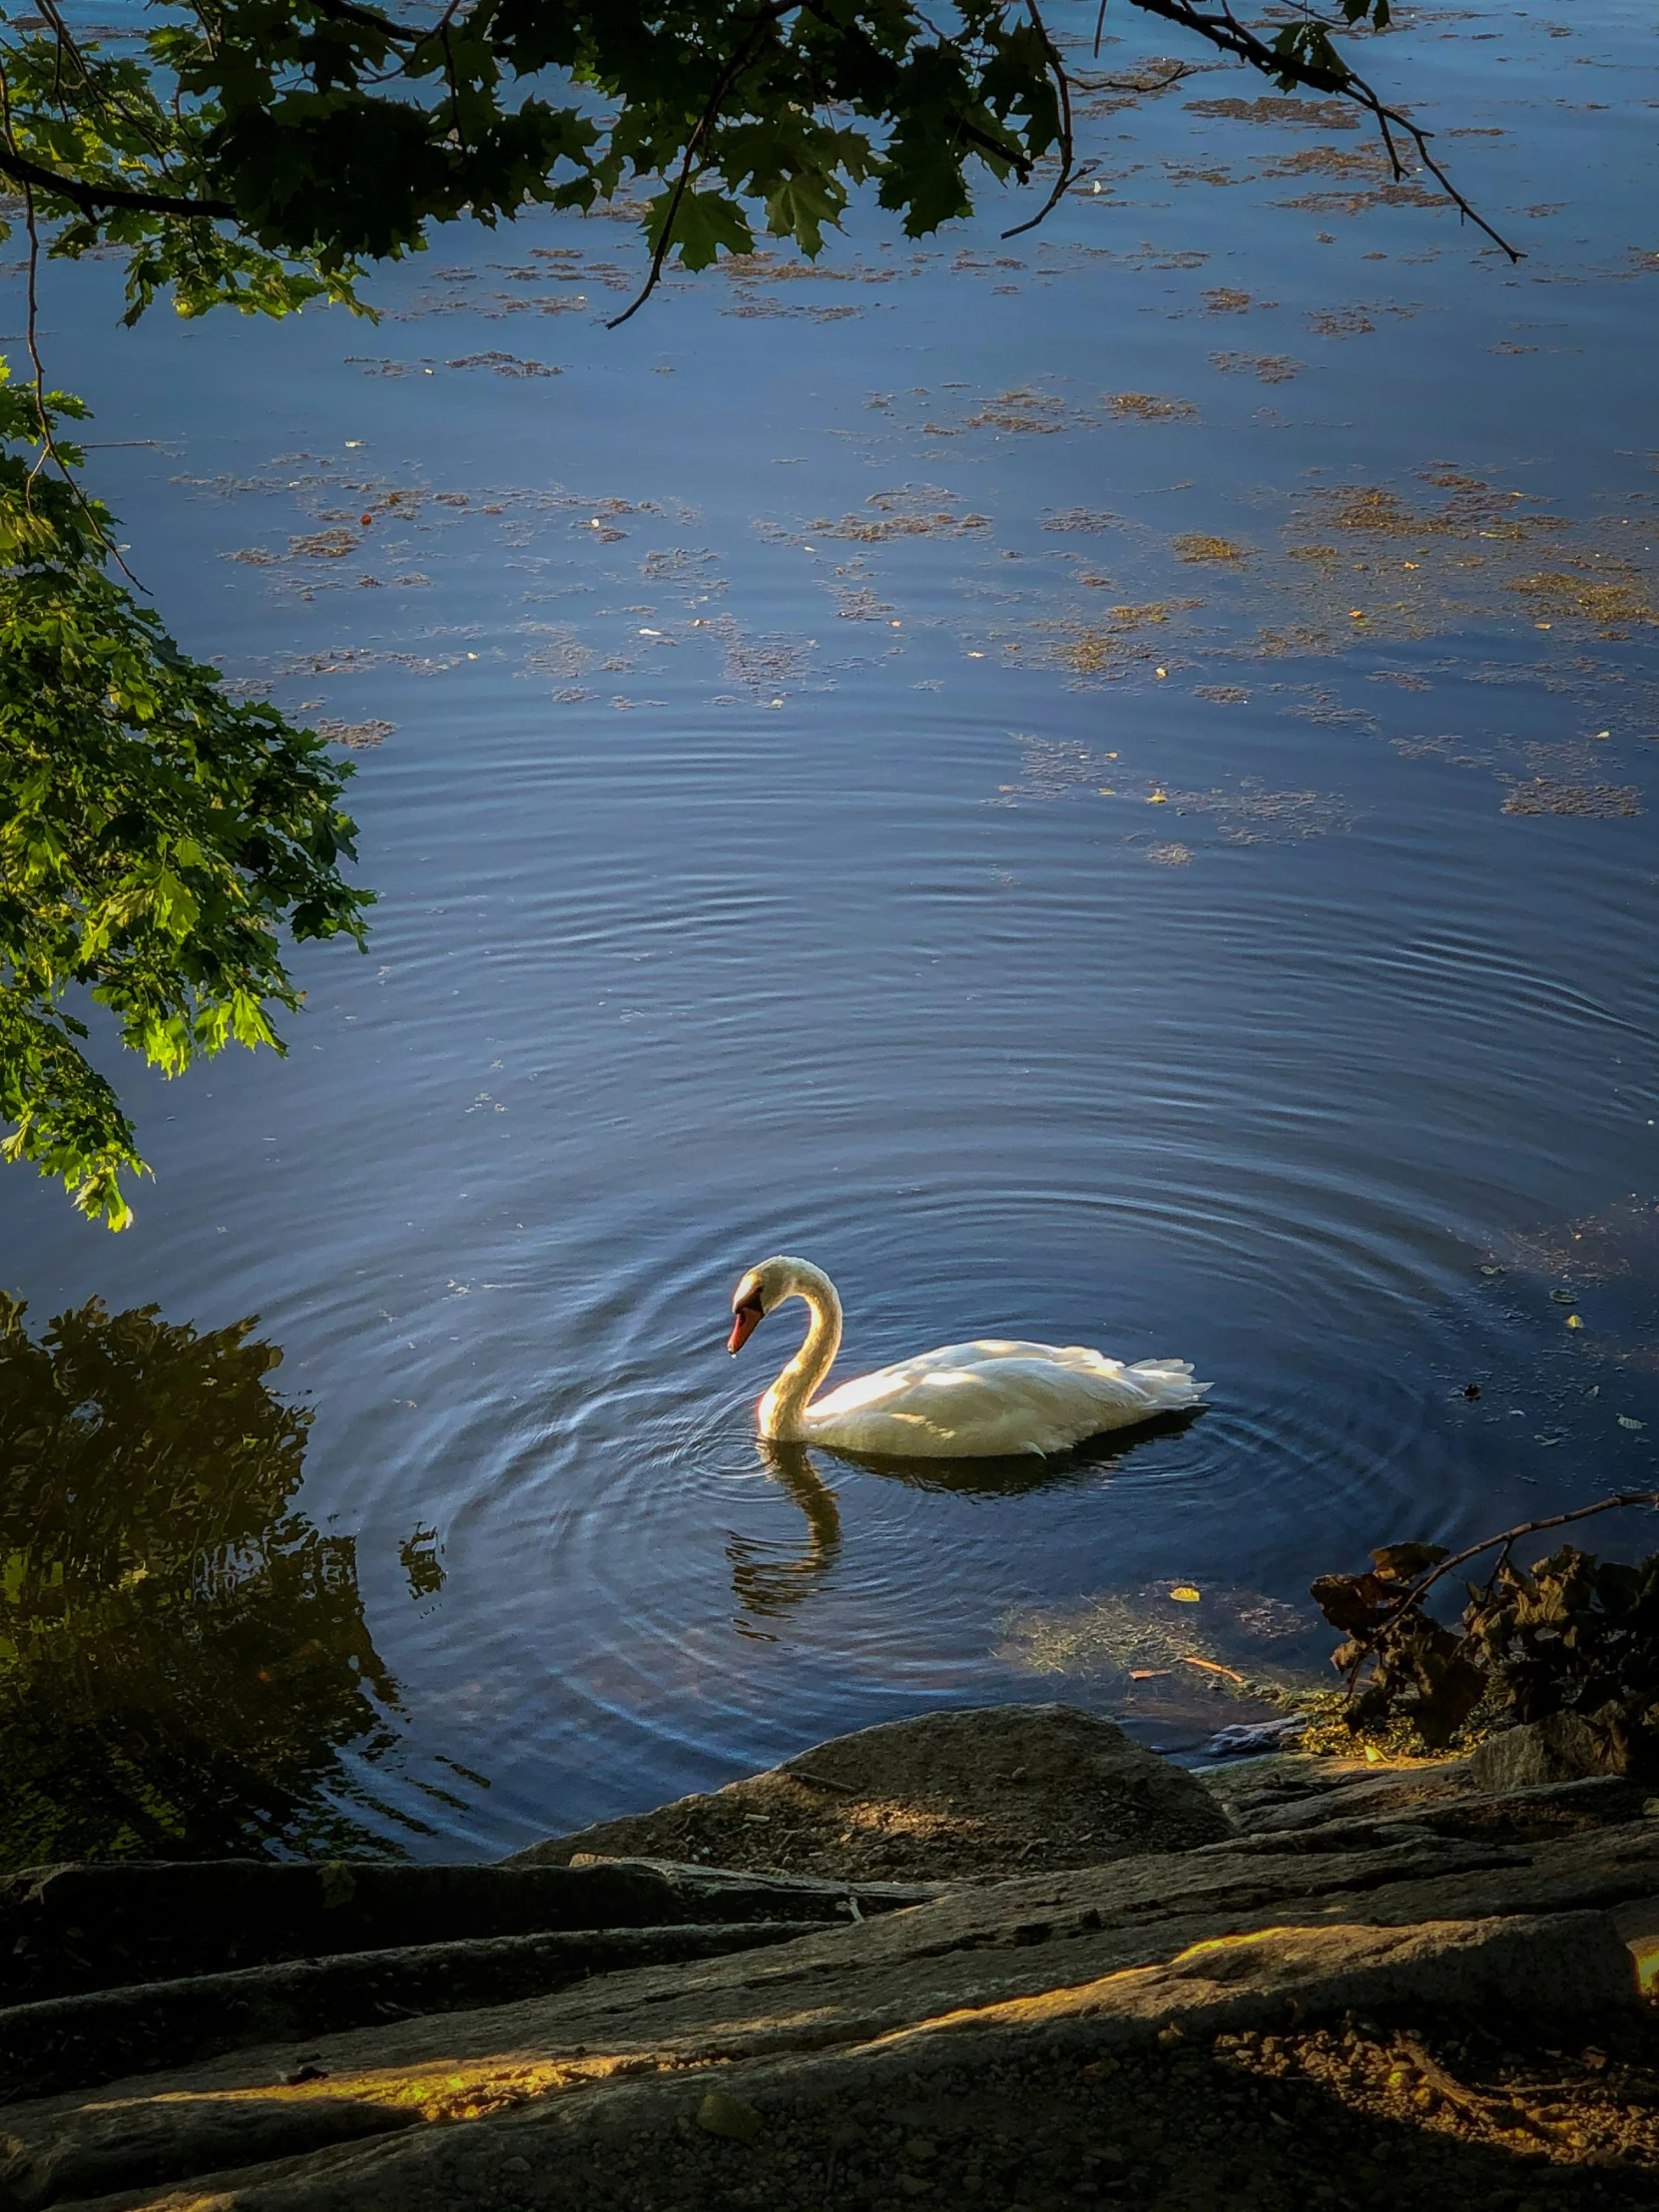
782	1412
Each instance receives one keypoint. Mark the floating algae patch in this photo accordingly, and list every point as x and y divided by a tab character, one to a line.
324	545
1246	815
1353	566
1612	598
912	511
1188	172
360	737
765	266
1038	413
809	311
1412	569
1154	612
1147	406
1601	1269
504	364
1081	518
1471	508
564	657
1618	1245
1102	647
1329	160
1250	815
1319	114
1231	1642
877	530
687	565
1592	801
1340	322
1195	546
1407	195
762	663
1170	856
1271	368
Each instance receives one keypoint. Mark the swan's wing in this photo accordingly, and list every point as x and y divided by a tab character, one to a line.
984	1350
993	1397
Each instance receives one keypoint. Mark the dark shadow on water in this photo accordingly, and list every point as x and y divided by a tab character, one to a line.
184	1659
1014	1476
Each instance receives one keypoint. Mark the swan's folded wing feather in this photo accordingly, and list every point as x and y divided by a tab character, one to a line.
983	1350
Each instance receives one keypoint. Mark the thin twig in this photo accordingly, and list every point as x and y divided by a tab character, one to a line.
43	420
66	44
1508	1539
700	130
1227	33
1133	83
134	114
48	451
1475	2104
1068	171
442	36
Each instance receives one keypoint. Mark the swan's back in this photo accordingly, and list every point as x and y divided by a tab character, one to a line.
998	1396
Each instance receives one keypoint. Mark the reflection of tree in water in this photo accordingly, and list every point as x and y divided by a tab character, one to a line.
183	1659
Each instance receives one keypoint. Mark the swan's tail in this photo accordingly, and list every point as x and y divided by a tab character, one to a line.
1170	1383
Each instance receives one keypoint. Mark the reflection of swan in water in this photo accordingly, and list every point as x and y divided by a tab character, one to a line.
770	1580
769	1585
991	1398
1018	1474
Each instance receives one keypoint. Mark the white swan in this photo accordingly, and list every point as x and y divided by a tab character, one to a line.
977	1400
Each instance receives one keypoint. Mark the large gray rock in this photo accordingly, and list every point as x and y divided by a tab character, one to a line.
1019	2030
1560	1748
998	1791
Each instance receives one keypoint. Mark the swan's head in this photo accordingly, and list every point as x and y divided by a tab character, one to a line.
762	1290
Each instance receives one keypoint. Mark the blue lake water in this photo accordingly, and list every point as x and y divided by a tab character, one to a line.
1098	786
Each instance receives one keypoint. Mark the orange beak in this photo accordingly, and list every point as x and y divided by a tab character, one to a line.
746	1319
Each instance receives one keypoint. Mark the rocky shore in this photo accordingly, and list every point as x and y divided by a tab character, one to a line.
1004	1959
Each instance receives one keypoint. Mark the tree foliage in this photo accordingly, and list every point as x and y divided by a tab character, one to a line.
157	843
154	837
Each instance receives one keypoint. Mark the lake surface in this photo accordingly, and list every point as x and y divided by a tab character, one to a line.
1098	786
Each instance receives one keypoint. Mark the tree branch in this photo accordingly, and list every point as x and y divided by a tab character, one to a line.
90	197
765	21
1509	1537
1230	37
368	19
1068	144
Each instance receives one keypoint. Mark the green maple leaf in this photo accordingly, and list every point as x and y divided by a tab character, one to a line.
800	206
702	222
